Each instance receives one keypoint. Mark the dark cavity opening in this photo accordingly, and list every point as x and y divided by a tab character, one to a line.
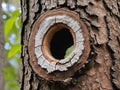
60	42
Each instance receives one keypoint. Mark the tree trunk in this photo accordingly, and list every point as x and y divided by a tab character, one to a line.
2	58
96	65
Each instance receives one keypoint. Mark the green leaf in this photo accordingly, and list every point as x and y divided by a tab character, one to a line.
9	73
68	51
19	21
8	25
16	13
12	85
12	26
15	48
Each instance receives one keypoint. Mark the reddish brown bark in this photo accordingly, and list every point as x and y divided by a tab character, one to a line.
102	19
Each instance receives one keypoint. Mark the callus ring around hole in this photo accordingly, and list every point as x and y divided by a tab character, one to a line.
51	35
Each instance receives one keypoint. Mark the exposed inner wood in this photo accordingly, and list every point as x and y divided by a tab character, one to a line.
59	43
41	59
42	40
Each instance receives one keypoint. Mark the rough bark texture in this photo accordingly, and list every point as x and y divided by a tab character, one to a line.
2	58
102	18
41	59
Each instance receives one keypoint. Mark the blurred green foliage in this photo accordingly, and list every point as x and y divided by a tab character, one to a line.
12	29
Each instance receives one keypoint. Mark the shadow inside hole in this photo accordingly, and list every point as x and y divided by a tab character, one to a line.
60	42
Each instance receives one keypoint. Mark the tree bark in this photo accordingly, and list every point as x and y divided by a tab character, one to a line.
2	58
102	20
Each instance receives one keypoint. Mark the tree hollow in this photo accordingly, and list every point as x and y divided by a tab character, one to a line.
57	40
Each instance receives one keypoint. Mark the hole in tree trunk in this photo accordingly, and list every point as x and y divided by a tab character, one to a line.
56	41
60	42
